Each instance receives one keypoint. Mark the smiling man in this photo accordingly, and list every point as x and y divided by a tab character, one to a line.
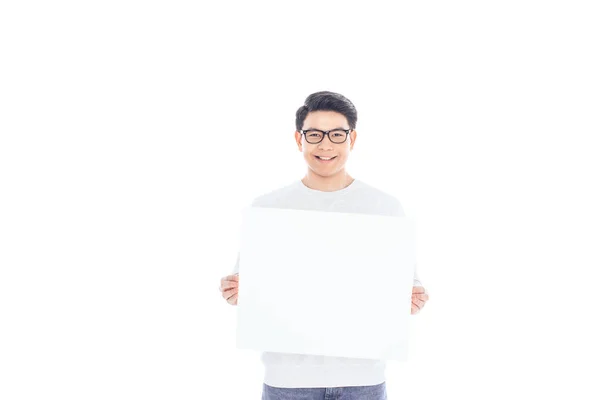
325	158
325	134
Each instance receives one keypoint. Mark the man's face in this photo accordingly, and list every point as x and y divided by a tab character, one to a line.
325	121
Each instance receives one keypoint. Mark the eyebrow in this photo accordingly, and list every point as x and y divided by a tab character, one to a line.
309	128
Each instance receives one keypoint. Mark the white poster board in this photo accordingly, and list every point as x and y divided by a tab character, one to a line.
325	283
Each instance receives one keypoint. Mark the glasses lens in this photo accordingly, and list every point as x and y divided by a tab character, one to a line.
337	136
313	136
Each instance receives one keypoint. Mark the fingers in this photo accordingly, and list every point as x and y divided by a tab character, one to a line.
229	288
419	293
230	281
228	285
414	308
233	299
417	302
227	294
420	296
231	295
230	278
418	299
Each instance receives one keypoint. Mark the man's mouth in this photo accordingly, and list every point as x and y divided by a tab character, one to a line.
325	159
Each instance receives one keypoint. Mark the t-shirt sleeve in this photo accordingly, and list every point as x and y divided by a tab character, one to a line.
236	268
397	209
416	281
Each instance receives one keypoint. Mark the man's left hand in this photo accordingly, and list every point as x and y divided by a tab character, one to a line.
419	298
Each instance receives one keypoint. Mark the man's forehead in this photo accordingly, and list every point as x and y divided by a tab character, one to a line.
325	120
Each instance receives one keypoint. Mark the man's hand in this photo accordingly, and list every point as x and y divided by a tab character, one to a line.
419	297
229	288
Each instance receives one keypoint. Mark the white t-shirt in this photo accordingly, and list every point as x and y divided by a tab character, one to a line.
310	371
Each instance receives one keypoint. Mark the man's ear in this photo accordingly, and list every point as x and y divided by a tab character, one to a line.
352	139
298	137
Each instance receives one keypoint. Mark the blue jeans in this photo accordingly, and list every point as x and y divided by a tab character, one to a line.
375	392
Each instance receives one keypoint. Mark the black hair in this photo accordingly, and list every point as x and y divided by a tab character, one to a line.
327	101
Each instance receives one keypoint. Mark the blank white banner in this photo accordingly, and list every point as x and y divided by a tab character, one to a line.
325	283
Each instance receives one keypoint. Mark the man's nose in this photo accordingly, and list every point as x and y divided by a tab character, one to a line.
326	143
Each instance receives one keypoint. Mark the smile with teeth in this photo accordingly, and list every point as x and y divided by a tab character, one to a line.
325	158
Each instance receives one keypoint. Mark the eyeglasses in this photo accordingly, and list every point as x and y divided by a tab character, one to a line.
314	136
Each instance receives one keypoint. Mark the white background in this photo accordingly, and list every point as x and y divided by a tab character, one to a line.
133	133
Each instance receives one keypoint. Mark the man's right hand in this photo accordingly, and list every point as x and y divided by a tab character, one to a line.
229	288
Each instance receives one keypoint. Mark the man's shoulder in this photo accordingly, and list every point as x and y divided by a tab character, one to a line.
378	193
275	196
383	199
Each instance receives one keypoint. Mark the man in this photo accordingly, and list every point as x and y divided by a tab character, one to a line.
325	134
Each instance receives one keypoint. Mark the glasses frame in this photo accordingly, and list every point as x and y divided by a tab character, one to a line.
325	133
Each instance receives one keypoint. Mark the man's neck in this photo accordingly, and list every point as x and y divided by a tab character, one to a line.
338	181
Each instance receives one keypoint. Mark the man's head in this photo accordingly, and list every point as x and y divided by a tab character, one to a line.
326	112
